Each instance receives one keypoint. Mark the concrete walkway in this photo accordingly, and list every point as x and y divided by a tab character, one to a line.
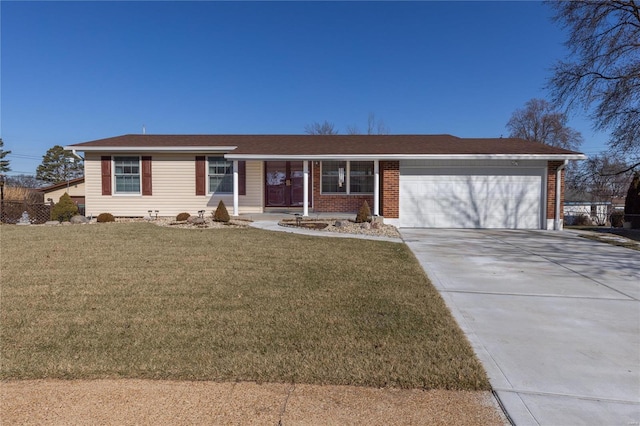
554	318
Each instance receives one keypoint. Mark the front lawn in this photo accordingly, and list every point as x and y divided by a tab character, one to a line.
142	301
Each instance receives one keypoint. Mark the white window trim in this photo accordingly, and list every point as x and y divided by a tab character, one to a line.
113	177
347	181
209	191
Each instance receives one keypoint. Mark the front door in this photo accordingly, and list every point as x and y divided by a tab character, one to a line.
284	184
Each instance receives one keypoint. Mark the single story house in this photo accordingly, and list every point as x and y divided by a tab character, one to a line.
73	187
439	181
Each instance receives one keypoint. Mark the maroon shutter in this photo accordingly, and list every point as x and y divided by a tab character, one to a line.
105	166
242	178
201	174
146	175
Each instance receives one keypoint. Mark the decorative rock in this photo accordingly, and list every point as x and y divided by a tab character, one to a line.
340	224
376	225
52	223
78	219
196	220
377	219
65	223
365	225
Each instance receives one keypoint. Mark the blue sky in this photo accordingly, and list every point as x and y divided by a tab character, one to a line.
79	71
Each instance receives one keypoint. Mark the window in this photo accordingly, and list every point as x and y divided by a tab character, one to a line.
350	177
334	177
220	175
361	177
127	175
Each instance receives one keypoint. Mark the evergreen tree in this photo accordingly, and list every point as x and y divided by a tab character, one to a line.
632	203
4	164
59	165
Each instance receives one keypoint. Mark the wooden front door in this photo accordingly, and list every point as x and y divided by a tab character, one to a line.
284	182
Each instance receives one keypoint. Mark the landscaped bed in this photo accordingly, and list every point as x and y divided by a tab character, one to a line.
141	301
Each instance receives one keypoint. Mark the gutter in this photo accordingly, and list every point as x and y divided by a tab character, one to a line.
556	221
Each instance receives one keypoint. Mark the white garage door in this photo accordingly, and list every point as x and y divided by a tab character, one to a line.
504	196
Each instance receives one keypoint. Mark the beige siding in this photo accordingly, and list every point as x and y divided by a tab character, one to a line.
76	190
173	182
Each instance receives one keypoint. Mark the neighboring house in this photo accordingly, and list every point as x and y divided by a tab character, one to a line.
439	181
73	187
597	212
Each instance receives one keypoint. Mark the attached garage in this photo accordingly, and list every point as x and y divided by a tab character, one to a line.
472	194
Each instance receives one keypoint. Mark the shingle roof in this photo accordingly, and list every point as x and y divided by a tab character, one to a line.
329	145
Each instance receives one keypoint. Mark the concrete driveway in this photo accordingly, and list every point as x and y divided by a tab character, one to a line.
554	318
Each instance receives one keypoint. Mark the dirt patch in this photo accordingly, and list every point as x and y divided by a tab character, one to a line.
122	402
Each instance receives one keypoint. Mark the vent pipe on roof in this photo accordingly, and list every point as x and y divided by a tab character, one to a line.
144	130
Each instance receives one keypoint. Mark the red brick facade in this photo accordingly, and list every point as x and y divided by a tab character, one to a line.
551	188
339	203
389	194
390	189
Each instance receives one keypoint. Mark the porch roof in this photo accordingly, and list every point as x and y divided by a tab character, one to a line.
319	147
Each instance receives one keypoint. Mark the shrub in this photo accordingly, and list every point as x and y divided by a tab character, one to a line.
364	214
183	216
583	220
617	219
105	217
64	209
221	214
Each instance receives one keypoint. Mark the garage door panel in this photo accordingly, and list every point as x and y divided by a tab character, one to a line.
479	199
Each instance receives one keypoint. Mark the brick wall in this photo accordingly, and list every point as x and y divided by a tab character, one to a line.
339	203
551	189
390	189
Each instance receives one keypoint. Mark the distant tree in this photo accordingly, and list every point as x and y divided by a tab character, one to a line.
538	122
597	179
59	165
24	181
602	71
4	164
374	127
324	128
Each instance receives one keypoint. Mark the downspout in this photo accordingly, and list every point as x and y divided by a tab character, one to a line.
75	154
556	221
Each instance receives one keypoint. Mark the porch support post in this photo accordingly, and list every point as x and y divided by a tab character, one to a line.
236	188
376	188
305	185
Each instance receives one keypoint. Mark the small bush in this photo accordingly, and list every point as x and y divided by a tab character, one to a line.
105	217
183	216
583	220
221	214
617	219
64	209
364	214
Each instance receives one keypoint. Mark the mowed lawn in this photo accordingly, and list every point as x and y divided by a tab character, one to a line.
141	301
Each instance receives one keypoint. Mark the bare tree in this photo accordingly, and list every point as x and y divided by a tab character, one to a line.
374	126
538	122
24	181
597	179
602	71
324	128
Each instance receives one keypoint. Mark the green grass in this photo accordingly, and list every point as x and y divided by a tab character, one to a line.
142	301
